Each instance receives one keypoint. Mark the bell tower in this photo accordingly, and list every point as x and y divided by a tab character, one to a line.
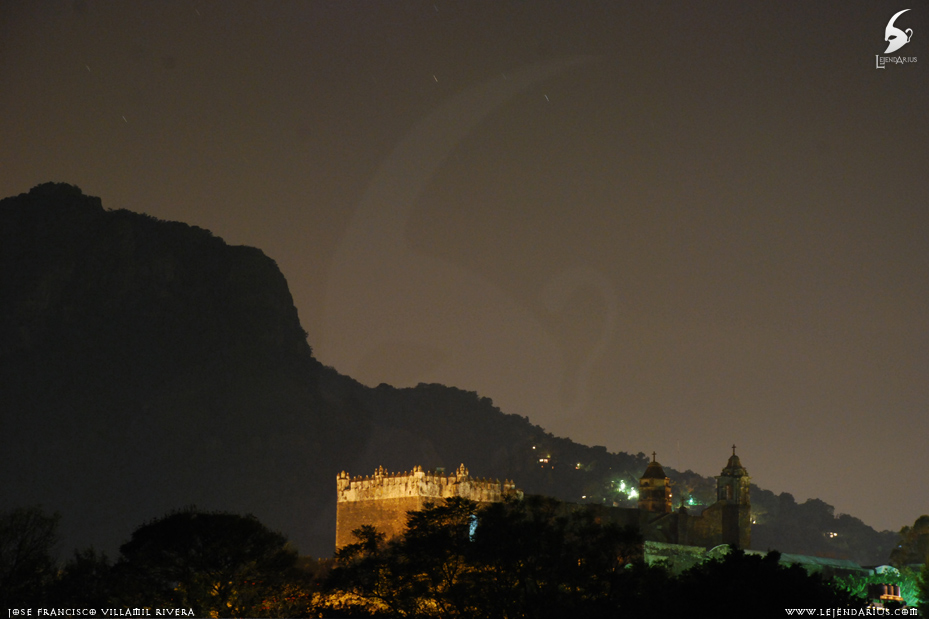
655	489
732	494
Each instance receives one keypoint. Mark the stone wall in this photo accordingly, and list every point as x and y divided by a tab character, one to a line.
704	530
387	515
383	499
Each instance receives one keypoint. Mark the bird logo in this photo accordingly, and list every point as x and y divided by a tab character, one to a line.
897	38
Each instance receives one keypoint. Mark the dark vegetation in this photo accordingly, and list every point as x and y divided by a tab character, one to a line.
215	564
146	365
534	558
27	568
530	559
520	558
913	546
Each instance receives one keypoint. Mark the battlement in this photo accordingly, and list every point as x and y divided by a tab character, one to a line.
423	484
384	499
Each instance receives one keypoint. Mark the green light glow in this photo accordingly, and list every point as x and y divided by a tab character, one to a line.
620	487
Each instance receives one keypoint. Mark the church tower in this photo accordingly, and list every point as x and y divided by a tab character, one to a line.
655	489
732	494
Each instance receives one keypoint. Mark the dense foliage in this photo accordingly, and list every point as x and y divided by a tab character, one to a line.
539	558
27	539
922	587
506	560
215	564
534	558
913	546
813	528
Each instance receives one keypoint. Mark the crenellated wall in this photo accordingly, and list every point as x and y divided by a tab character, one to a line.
383	499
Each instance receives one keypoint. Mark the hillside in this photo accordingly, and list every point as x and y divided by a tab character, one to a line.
147	365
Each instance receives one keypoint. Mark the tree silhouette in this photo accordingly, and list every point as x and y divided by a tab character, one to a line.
214	563
27	539
85	581
923	589
535	558
541	558
913	547
741	584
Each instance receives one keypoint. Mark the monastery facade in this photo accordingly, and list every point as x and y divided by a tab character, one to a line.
383	500
727	521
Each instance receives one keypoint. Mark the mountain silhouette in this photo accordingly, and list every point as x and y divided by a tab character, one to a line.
146	366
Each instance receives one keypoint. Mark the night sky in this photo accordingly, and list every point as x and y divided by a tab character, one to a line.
668	228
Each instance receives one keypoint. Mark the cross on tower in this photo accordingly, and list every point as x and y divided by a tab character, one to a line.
653	456
733	449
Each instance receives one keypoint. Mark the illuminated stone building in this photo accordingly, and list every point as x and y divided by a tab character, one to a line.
727	521
384	499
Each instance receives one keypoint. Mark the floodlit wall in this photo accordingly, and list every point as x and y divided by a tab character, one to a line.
383	499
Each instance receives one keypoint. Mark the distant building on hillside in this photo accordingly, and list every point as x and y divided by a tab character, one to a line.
727	521
384	499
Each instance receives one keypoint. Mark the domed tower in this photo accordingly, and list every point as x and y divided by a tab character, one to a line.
655	489
732	493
